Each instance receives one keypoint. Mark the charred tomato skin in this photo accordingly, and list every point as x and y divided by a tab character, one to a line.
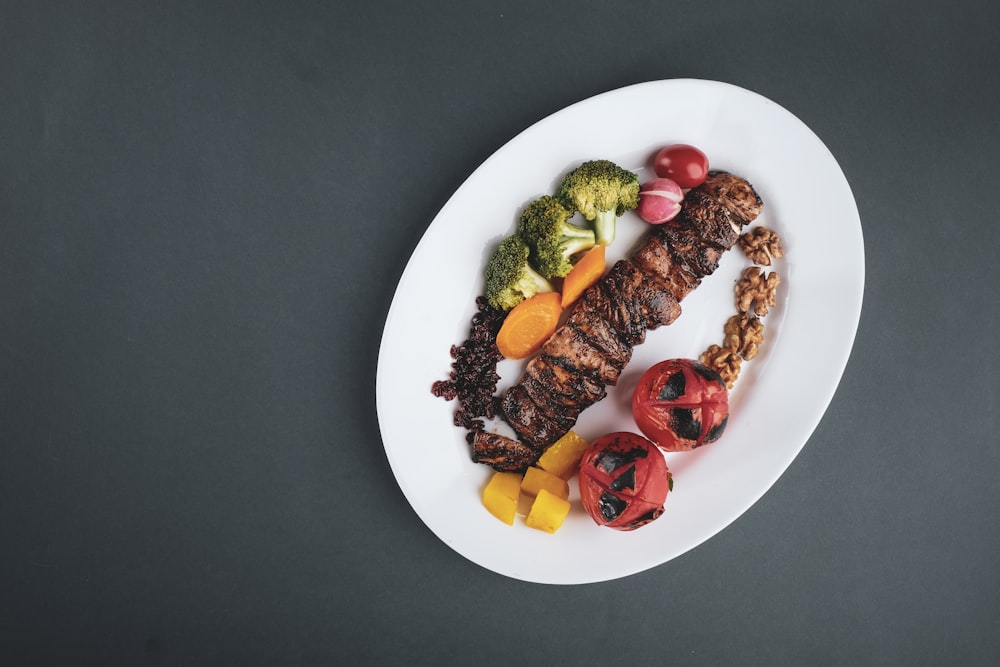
624	481
681	404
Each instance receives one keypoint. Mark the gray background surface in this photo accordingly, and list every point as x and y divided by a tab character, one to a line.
204	209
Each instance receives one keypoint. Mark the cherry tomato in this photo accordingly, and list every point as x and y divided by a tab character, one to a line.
685	165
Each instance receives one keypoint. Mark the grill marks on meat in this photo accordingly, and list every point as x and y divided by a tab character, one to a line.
502	453
629	302
599	333
563	385
733	193
675	256
577	350
587	354
689	248
647	302
589	351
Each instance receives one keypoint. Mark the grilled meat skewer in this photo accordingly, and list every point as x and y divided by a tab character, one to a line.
589	351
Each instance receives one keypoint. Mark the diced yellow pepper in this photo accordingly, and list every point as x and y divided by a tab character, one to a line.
547	512
536	479
563	457
501	495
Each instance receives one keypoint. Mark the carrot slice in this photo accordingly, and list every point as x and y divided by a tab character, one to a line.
584	273
528	325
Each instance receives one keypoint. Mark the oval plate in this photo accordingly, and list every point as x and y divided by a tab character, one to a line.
778	400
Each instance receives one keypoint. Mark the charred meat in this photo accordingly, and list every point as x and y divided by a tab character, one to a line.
589	351
502	453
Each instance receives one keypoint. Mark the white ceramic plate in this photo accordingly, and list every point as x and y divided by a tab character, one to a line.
777	401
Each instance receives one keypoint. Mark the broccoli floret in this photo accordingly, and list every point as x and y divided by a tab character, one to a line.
509	278
552	239
601	191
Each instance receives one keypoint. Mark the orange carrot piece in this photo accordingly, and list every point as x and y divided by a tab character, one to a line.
529	324
584	273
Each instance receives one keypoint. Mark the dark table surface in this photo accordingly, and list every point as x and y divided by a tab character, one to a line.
204	210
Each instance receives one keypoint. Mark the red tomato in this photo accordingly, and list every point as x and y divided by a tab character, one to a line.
624	480
685	165
680	404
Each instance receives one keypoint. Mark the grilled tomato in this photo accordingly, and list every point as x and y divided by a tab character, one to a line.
623	481
681	404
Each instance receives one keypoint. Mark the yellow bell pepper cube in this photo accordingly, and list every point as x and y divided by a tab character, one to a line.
536	479
563	457
547	512
501	495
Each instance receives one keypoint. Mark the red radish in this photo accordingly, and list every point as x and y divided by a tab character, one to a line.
659	201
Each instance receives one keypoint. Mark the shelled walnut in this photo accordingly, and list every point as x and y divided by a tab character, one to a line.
761	245
743	335
724	362
756	291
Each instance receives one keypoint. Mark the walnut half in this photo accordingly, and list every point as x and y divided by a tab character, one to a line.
761	245
756	292
724	362
743	335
